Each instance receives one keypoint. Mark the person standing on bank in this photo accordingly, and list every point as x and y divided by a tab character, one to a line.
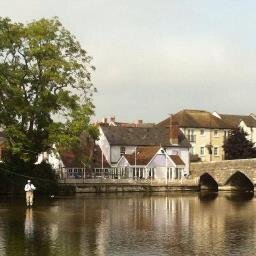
29	189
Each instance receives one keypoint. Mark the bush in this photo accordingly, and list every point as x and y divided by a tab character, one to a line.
14	175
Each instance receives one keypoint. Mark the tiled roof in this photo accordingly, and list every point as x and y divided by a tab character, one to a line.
234	120
196	119
138	136
73	158
177	160
146	125
143	155
203	119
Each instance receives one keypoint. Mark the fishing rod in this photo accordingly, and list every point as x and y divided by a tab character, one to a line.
26	176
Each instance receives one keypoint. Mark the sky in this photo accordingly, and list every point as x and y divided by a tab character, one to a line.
156	57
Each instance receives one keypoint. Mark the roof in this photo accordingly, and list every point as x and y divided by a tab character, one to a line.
141	136
143	155
177	160
188	118
134	124
234	120
83	153
72	158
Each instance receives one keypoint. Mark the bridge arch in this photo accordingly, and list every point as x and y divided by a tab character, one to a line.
207	182
239	181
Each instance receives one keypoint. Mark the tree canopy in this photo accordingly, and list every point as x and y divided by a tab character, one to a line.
45	87
237	146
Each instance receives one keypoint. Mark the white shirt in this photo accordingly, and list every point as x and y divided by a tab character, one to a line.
29	187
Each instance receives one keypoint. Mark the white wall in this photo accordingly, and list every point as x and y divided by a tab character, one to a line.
160	173
123	163
250	131
52	158
183	154
115	152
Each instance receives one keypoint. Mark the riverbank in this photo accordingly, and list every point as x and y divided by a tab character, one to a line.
126	185
101	185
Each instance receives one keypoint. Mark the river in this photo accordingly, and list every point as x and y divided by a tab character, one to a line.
130	224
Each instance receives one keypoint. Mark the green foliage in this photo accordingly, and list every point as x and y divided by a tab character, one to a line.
237	146
14	176
45	75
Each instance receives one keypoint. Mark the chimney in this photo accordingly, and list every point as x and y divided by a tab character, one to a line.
112	119
174	131
104	120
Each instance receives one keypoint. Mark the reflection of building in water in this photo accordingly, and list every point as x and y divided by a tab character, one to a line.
102	233
136	224
29	224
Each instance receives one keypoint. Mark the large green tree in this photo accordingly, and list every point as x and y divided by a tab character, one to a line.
45	87
237	146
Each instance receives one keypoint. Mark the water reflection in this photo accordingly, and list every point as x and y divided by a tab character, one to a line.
207	196
131	224
240	197
29	224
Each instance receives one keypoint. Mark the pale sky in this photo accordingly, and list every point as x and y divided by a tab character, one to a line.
155	57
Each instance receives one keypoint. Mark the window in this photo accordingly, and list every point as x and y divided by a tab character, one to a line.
151	173
202	132
191	151
122	151
215	151
177	173
190	135
215	133
202	151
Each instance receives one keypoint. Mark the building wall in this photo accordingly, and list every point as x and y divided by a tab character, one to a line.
160	172
251	131
184	155
207	138
160	161
115	152
52	158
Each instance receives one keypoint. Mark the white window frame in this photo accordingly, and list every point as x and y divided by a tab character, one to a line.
215	135
217	151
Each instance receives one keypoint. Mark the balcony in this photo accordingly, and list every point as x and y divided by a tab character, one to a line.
191	137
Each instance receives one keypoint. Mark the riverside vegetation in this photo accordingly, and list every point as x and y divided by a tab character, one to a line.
45	98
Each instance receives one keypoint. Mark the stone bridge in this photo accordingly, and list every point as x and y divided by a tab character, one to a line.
226	175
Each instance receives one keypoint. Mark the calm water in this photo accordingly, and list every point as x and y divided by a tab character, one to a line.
130	224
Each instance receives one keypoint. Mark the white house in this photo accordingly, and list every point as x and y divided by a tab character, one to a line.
247	122
151	162
250	129
118	141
